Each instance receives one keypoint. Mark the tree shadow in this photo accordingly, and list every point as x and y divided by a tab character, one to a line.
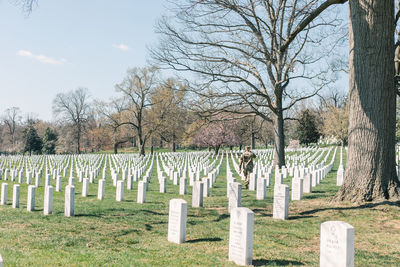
299	217
363	206
221	217
264	262
213	239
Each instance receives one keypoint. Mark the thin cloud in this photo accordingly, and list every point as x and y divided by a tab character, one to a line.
41	58
122	47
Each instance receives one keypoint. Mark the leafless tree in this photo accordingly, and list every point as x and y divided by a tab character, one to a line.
111	115
253	55
11	120
26	6
73	107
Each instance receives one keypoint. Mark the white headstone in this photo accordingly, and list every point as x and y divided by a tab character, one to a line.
163	184
206	187
4	189
307	183
340	175
297	188
261	188
182	186
37	181
129	182
85	187
197	194
235	195
177	221
30	206
16	190
141	196
69	201
48	200
120	191
101	188
253	182
58	184
281	202
337	244
241	236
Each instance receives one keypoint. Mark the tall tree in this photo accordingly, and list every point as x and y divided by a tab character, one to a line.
169	112
336	123
250	52
11	120
136	89
33	142
307	128
73	107
371	166
49	141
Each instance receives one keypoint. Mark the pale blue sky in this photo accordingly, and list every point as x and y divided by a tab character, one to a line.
68	44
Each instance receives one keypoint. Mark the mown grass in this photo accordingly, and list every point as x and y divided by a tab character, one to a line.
110	233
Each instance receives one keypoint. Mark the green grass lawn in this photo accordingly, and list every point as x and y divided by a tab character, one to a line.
110	233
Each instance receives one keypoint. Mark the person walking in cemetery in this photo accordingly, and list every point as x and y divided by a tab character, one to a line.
246	160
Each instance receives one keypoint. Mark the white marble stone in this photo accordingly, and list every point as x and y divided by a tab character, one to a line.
163	184
206	187
336	244
30	205
85	187
241	236
141	195
129	182
177	221
307	183
197	194
281	202
340	175
58	184
69	205
4	189
261	189
253	182
120	191
235	195
48	200
297	188
16	191
182	186
101	189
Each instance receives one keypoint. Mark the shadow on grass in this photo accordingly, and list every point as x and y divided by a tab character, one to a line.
221	217
263	262
363	206
296	217
213	239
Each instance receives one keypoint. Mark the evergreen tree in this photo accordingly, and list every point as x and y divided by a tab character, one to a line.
33	142
49	141
307	129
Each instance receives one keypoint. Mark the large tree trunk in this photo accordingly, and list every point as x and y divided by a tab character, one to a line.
141	142
253	139
173	144
279	140
115	148
78	149
370	168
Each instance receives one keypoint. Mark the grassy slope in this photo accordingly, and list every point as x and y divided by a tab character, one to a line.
109	233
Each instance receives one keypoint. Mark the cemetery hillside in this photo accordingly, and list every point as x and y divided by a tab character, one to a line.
200	133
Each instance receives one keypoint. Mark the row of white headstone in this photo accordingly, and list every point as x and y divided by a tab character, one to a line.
336	239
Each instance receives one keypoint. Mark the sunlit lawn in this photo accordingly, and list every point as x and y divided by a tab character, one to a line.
110	233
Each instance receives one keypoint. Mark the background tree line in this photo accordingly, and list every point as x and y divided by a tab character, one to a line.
148	111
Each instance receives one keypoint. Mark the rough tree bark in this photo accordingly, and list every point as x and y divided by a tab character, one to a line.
371	173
